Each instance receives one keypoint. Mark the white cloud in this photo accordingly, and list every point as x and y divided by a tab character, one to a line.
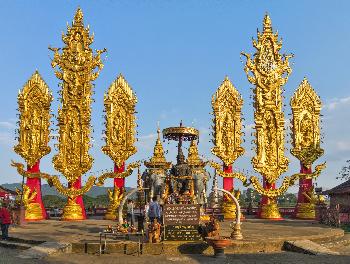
7	124
336	103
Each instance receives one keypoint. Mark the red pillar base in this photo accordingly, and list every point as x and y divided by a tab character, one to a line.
35	211
74	209
304	208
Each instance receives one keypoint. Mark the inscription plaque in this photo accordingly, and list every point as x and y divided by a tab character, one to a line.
181	214
182	233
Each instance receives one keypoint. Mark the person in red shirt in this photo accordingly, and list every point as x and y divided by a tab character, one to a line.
5	220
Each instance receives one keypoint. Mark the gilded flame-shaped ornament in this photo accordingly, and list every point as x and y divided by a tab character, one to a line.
158	159
34	103
306	107
193	159
120	102
77	66
227	104
268	71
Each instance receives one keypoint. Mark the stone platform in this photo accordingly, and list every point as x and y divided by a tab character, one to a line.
259	236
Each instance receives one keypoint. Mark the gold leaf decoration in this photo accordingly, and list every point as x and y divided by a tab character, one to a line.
120	102
268	71
306	106
227	104
77	66
34	103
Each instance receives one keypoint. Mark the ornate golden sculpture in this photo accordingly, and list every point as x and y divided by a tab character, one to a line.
120	103
158	160
193	159
115	196
77	65
270	71
306	106
227	104
32	209
34	103
229	207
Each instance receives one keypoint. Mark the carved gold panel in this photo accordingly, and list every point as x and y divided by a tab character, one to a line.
120	102
34	103
227	104
306	106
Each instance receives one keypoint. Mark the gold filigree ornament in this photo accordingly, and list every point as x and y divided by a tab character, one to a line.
227	104
268	71
34	103
120	102
77	64
306	106
77	67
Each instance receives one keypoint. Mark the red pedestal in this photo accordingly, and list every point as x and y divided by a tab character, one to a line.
79	199
228	183
119	182
35	184
304	186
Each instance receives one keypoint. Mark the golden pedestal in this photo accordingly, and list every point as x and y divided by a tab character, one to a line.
33	212
229	210
270	211
306	211
72	211
111	213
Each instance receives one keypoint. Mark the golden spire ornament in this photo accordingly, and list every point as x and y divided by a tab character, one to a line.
77	66
120	102
227	105
306	107
268	71
34	103
158	160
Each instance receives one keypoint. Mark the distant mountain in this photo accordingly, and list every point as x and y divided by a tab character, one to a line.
47	190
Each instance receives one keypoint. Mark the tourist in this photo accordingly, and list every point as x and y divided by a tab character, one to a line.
130	212
154	210
5	220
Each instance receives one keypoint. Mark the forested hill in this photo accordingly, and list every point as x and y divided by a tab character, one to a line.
47	190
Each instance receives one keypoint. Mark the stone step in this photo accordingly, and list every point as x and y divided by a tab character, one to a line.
45	249
307	247
14	244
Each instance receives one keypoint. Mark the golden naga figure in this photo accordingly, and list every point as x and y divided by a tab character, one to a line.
32	209
77	66
115	196
34	103
306	107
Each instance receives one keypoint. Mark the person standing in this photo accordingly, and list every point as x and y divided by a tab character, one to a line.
130	212
154	210
5	220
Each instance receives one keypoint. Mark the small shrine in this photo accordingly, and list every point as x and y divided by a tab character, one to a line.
181	183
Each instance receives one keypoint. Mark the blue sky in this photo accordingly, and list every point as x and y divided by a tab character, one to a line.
175	54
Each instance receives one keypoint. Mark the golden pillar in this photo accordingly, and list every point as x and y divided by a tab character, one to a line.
306	107
227	105
34	103
77	66
120	102
268	71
